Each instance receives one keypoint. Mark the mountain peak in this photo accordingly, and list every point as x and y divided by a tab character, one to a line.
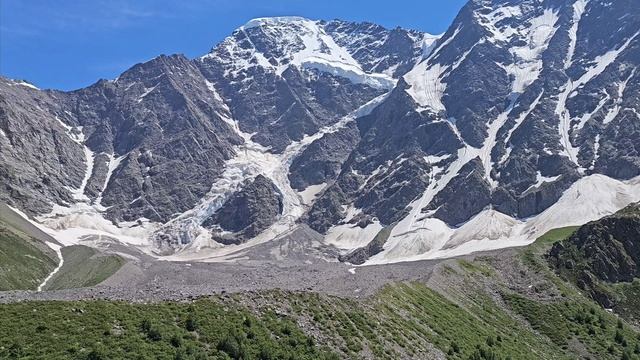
270	21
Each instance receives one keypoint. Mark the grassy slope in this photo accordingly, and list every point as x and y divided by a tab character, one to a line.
474	314
23	266
84	267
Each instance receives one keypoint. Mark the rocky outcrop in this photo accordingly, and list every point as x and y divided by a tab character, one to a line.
247	213
607	250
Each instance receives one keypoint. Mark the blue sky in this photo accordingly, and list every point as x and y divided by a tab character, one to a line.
69	44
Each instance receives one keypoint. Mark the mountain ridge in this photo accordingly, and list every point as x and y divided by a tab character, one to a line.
493	122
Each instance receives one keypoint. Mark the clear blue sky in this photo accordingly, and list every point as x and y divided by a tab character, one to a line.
69	44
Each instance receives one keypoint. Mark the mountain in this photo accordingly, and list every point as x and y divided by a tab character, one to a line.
390	145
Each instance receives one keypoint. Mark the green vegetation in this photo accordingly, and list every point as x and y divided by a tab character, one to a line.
507	307
205	329
574	320
23	266
84	267
552	237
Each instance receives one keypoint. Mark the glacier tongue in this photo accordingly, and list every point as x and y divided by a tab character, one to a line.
195	243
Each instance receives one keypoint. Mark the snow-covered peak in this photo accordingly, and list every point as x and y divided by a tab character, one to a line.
272	21
339	48
524	30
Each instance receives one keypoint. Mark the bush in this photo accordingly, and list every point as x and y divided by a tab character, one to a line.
191	324
175	341
154	334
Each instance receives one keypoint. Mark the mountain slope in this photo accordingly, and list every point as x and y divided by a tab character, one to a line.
478	139
494	118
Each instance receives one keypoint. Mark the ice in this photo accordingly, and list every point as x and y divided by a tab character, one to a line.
252	160
425	79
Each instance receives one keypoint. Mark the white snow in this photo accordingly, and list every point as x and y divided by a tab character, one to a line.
587	116
589	199
309	194
271	21
526	69
112	164
596	152
304	44
615	110
519	122
600	64
425	79
146	92
491	141
351	236
541	180
78	194
57	249
73	224
26	84
579	8
252	160
348	71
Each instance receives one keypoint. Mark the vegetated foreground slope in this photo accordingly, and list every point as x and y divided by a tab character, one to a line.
23	264
84	267
508	305
25	260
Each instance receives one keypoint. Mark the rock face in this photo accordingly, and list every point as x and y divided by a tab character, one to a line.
607	250
350	123
247	213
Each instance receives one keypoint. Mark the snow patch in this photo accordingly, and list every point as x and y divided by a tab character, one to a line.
579	8
351	236
309	194
57	249
541	180
425	79
112	164
600	64
78	194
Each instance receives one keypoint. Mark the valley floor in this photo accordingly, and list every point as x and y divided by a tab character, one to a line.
505	304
